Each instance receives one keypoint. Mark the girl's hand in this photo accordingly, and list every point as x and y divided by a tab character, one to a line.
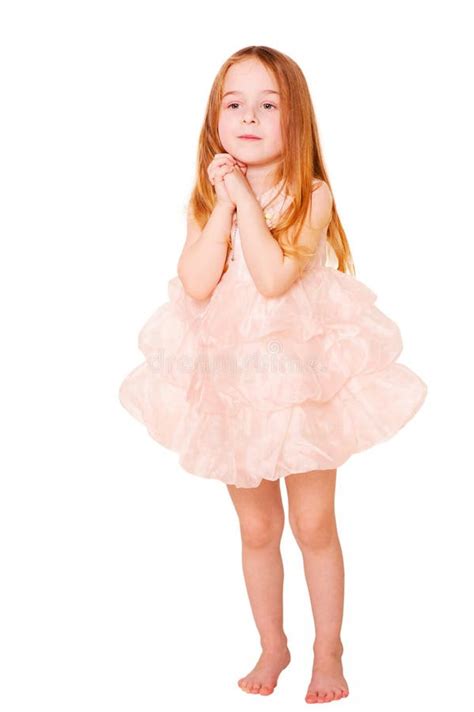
237	185
221	165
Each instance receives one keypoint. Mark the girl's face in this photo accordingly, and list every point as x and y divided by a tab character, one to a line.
250	105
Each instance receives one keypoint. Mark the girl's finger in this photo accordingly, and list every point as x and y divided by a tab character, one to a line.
222	169
213	170
221	158
219	173
228	155
222	164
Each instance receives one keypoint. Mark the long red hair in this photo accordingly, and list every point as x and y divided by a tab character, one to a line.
301	162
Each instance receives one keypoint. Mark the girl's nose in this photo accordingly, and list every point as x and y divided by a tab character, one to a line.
249	115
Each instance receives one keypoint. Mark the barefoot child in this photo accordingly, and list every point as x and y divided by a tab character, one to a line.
266	363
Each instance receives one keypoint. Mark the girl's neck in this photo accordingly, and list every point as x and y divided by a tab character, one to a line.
260	179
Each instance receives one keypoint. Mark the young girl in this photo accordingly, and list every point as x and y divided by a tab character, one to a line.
266	363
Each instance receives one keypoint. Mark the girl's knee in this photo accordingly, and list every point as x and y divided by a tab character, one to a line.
261	530
314	531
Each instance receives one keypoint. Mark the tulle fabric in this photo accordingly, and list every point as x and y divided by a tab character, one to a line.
246	388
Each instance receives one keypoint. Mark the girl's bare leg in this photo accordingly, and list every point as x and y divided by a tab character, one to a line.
261	517
312	520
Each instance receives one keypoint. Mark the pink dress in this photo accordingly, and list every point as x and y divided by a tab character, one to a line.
245	387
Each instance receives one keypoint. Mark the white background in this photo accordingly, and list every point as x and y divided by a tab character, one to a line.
122	586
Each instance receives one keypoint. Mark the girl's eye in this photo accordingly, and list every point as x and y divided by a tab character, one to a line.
235	103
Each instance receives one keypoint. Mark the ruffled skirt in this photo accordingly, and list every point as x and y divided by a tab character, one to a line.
246	388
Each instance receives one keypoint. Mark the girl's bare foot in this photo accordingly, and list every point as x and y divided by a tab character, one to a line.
264	676
327	681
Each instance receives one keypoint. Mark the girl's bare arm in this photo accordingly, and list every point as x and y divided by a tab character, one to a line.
202	260
272	271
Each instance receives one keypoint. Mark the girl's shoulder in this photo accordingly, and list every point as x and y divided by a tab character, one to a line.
321	193
321	204
320	184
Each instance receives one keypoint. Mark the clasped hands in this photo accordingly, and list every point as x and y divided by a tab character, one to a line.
227	175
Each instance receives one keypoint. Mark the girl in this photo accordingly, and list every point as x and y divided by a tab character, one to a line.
267	363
